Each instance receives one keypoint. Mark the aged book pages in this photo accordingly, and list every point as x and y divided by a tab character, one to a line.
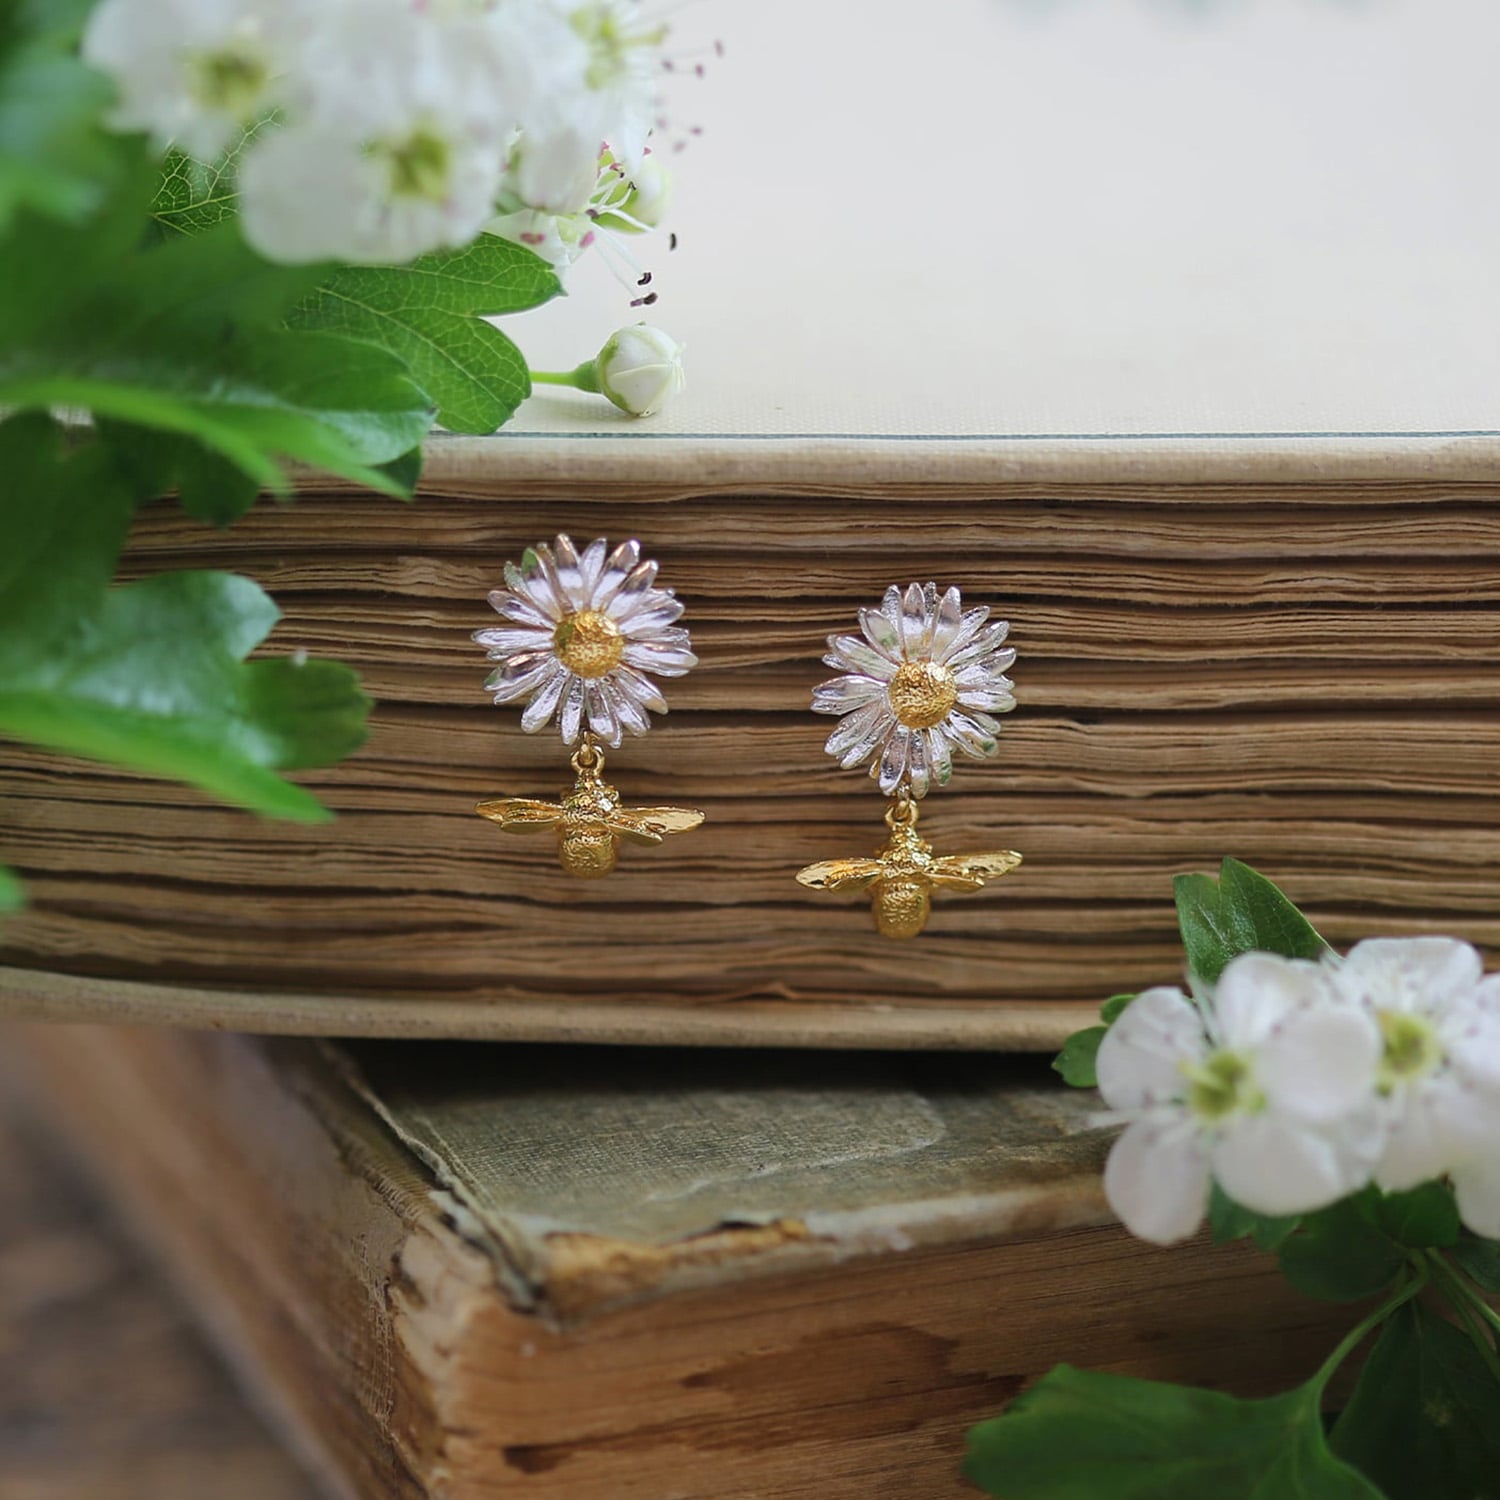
1302	676
476	1272
1202	398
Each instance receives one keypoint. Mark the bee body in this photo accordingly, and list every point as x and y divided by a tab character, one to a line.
590	823
902	876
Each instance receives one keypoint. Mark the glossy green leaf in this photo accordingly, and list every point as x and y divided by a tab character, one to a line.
12	892
151	676
1239	912
183	337
1076	1060
1109	1012
1340	1254
1479	1260
192	196
430	313
1424	1420
1081	1435
405	470
157	463
55	157
1227	1220
1423	1219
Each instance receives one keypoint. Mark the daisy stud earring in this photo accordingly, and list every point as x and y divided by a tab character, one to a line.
584	633
923	681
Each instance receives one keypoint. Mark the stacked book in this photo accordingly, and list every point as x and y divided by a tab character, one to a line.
1299	671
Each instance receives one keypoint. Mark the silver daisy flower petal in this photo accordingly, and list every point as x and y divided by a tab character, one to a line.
583	628
920	681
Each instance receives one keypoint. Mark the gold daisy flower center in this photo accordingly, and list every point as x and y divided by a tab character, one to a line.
588	644
921	693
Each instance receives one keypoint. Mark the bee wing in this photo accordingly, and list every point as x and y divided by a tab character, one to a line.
649	825
520	814
841	874
969	872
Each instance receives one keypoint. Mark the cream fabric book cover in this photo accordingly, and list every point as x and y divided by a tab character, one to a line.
1202	230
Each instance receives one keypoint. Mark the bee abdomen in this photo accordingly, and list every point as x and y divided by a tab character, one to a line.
901	907
587	853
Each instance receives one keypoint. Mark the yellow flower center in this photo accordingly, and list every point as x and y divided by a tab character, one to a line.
1411	1048
921	693
230	80
420	165
1221	1085
589	643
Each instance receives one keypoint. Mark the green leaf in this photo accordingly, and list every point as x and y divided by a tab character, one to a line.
1079	1435
1424	1419
405	470
192	195
1423	1219
183	337
156	463
150	676
1339	1254
1227	1220
1076	1060
1479	1260
1240	912
55	158
211	488
429	313
12	892
1110	1011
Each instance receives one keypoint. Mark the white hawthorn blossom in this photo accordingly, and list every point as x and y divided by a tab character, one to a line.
316	194
392	127
1439	1078
399	149
1268	1090
191	73
601	82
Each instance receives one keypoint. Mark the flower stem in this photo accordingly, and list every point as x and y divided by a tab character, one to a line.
1466	1302
584	378
1357	1335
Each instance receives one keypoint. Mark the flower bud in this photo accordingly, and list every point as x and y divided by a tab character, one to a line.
640	369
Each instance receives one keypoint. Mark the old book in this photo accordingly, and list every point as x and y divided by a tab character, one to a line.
1225	454
591	1274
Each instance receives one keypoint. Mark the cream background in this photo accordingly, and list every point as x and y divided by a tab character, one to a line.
985	218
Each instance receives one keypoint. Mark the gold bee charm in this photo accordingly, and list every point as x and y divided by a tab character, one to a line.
920	682
903	875
590	821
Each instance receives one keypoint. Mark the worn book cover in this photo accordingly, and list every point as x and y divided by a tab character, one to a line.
588	1274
